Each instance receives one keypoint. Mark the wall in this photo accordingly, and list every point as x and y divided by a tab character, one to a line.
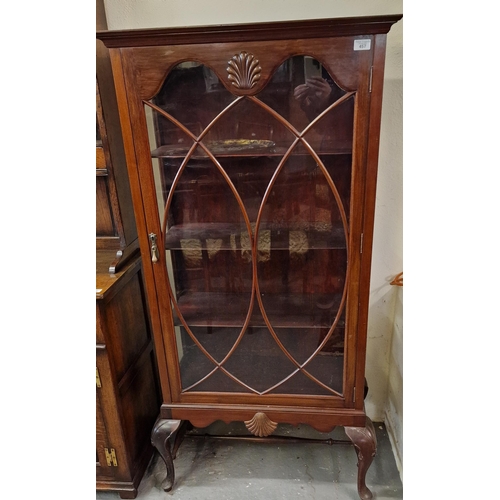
394	405
384	367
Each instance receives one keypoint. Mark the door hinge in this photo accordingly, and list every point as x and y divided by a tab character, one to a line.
354	395
371	78
361	244
111	457
97	377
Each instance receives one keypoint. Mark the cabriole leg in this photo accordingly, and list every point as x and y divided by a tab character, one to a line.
365	444
161	437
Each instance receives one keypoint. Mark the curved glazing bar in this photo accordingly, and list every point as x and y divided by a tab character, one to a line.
254	205
197	142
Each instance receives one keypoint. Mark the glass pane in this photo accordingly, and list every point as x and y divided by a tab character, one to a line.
253	195
258	361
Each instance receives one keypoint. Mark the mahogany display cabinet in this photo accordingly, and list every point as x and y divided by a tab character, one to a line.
252	154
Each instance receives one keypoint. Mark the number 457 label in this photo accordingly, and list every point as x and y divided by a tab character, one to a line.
362	44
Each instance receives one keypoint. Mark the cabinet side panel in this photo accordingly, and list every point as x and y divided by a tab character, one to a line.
127	326
356	209
369	214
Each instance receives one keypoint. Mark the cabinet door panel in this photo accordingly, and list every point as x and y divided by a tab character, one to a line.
255	226
109	433
254	196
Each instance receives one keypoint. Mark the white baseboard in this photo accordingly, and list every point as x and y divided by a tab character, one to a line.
389	424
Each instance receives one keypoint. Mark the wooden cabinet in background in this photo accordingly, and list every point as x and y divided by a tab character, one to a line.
115	223
127	392
127	396
252	152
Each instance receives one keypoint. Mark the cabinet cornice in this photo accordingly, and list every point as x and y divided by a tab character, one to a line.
281	30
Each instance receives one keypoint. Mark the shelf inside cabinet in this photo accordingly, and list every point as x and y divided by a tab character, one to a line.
175	151
315	311
313	235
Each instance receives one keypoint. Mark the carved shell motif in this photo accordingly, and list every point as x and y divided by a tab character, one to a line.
261	425
244	70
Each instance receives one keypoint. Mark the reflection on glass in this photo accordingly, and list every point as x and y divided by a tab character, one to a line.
255	221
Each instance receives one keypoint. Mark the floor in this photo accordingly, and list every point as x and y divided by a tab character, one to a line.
222	469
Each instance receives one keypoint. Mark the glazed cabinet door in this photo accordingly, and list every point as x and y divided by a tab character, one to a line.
252	182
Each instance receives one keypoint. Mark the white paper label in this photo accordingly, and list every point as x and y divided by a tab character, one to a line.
362	44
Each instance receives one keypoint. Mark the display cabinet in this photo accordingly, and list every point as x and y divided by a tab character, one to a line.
252	153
